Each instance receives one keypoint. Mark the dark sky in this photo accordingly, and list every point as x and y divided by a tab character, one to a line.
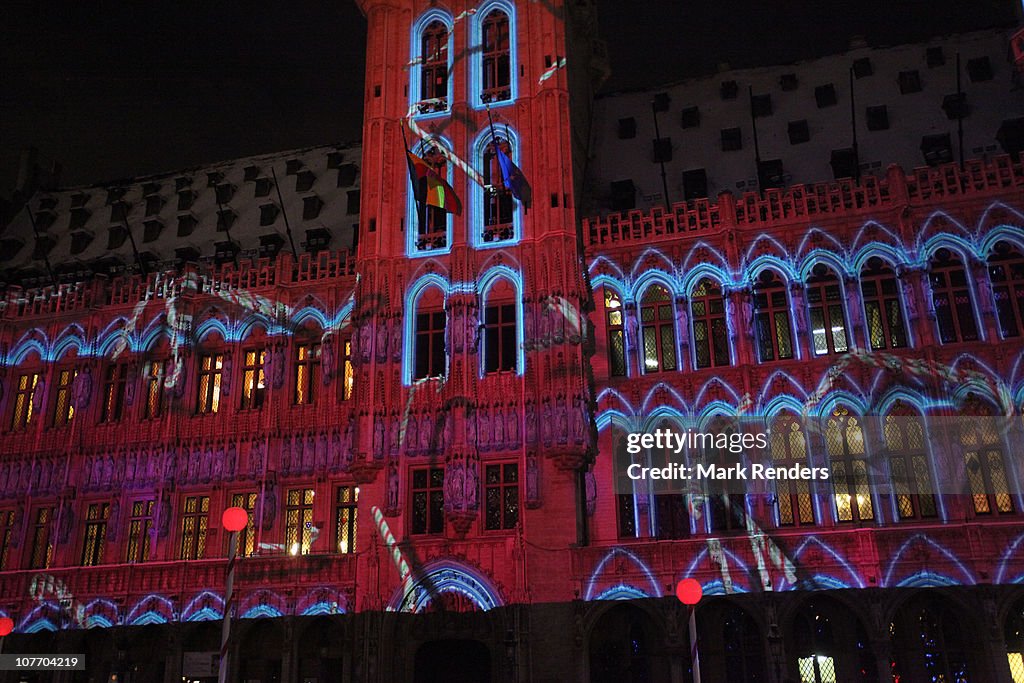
113	90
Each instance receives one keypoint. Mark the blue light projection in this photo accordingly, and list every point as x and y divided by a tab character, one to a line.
441	577
633	558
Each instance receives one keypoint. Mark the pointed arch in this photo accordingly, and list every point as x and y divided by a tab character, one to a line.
889	578
477	211
478	79
413	295
446	576
631	558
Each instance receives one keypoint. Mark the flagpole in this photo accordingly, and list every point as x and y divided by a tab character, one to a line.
420	211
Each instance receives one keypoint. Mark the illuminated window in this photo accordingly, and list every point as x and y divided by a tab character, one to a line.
497	67
500	344
194	519
844	441
211	367
114	384
96	517
433	68
1006	271
254	382
427	494
6	533
246	541
346	514
825	304
307	373
710	332
881	290
616	334
951	296
501	496
298	521
349	374
1013	634
431	222
771	318
658	330
499	204
939	644
24	395
982	448
429	348
789	447
42	543
154	406
140	528
905	440
63	408
625	499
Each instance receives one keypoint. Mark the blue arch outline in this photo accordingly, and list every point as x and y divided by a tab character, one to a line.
476	50
476	199
411	212
412	299
416	61
442	577
486	281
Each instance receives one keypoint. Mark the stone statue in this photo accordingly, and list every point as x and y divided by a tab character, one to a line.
378	437
472	329
327	360
38	394
365	341
512	425
591	488
471	484
531	422
81	389
392	500
454	487
498	426
225	376
382	340
277	379
532	477
484	428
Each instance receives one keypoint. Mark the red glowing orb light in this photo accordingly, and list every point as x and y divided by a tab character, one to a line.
6	626
235	519
689	591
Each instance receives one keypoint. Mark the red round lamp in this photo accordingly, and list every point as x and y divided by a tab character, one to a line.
235	519
6	626
689	591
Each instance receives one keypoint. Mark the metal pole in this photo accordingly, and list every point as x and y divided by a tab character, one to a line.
284	214
225	632
657	136
694	655
960	114
757	144
853	126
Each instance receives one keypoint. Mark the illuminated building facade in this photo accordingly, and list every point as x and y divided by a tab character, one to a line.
417	408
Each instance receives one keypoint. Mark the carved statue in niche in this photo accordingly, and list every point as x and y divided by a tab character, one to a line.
346	446
321	452
231	463
170	460
531	422
472	329
578	422
382	339
225	381
558	321
206	464
5	472
426	432
395	338
545	322
108	471
563	420
309	455
269	507
392	491
547	423
129	385
114	522
365	340
394	424
378	436
532	477
455	481
34	478
17	526
255	457
472	481
498	427
411	436
530	326
590	483
277	379
512	425
129	469
334	452
484	428
38	394
446	435
67	522
458	330
217	466
327	359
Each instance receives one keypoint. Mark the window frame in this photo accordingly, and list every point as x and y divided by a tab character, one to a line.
476	71
94	534
615	330
769	315
63	411
431	527
784	489
115	392
843	415
298	519
877	271
416	97
253	396
709	318
208	402
824	282
138	543
503	487
658	325
945	262
346	518
1008	290
413	234
192	542
307	369
22	408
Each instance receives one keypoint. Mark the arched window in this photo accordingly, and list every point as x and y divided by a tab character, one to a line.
670	518
25	401
881	291
789	447
831	645
616	333
430	223
844	441
710	331
499	204
816	657
1013	635
931	644
825	304
496	56
658	328
501	341
744	649
1006	271
951	296
625	500
771	311
904	437
430	356
433	68
984	460
726	511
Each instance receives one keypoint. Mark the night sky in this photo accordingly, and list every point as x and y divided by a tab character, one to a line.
110	90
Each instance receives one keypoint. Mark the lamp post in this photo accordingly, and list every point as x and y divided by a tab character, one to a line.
234	520
689	593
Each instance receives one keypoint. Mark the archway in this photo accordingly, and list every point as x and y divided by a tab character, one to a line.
625	647
320	651
935	639
260	653
828	643
732	643
452	661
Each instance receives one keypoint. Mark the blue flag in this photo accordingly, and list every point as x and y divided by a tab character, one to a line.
513	178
